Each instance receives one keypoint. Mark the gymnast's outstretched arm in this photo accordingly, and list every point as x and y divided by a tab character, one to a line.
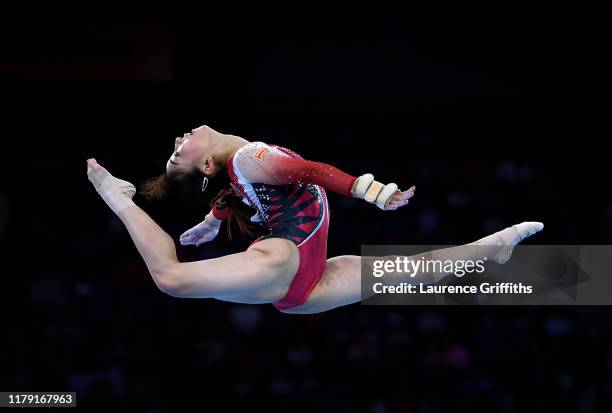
259	163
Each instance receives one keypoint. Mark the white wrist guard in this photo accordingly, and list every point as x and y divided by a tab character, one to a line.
373	191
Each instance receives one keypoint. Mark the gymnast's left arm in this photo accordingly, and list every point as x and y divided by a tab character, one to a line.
259	164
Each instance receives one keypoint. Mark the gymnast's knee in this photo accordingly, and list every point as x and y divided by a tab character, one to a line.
170	280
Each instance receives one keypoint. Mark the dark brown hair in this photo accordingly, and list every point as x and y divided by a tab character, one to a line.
156	188
164	187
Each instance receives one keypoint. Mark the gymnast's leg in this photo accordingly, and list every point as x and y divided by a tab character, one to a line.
341	281
261	274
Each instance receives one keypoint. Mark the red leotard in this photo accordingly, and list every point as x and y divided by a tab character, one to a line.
296	209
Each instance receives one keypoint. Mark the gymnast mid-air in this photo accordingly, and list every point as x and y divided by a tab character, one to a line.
288	266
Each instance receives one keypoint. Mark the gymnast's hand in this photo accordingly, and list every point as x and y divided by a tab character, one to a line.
400	199
205	231
386	197
117	193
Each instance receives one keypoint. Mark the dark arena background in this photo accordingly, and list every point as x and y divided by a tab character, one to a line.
496	120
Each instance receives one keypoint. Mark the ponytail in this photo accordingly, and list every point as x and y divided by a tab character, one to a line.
157	188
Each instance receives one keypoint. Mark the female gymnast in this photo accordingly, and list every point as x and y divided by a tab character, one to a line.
288	266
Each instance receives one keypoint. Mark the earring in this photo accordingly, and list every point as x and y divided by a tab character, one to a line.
204	184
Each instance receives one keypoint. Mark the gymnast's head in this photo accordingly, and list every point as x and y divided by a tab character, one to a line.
195	155
196	149
201	155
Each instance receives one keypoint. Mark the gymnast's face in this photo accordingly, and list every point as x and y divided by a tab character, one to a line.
192	150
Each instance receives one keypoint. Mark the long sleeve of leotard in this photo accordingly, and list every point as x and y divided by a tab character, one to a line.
261	163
